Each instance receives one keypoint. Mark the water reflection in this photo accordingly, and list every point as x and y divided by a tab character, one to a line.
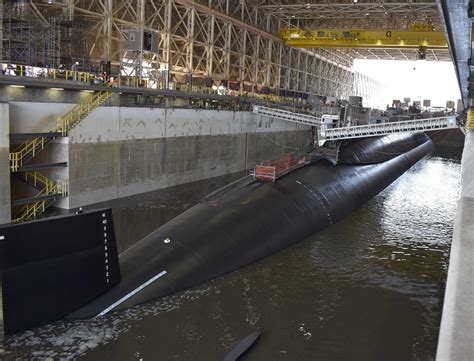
367	288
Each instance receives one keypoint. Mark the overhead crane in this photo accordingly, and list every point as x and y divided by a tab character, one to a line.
417	36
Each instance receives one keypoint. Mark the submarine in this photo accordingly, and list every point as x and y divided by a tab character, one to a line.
80	274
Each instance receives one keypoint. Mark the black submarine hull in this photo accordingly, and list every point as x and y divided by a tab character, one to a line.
248	220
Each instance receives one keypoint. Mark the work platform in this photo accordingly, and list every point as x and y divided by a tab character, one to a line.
185	92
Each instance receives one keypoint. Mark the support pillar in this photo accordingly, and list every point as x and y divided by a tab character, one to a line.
5	205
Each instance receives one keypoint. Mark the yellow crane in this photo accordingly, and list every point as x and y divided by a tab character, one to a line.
417	36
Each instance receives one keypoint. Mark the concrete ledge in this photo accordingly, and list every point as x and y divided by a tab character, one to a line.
456	338
73	85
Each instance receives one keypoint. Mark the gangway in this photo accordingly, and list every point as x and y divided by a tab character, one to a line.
371	130
287	115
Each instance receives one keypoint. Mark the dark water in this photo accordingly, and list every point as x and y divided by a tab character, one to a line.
370	287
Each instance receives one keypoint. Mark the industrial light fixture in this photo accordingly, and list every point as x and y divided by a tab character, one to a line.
56	88
17	86
88	91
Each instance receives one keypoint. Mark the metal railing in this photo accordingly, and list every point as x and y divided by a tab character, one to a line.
369	130
46	73
91	78
49	187
67	121
287	115
277	168
29	147
63	125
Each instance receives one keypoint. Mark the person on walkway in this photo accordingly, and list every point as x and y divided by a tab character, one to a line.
74	69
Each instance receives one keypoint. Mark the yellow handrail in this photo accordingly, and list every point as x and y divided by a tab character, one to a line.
60	186
22	71
62	125
470	118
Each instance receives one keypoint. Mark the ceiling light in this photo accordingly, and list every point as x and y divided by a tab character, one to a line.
17	86
56	88
355	1
89	91
367	14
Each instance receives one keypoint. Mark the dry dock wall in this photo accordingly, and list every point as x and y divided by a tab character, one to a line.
4	164
121	151
456	338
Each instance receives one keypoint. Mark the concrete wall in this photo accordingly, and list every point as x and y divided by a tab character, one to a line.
118	152
5	215
121	151
456	338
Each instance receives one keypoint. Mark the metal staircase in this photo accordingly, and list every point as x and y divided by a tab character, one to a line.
48	189
28	149
48	192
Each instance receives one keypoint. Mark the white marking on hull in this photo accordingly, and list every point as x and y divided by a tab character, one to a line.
134	292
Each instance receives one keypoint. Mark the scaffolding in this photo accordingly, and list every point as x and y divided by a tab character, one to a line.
47	39
17	39
74	46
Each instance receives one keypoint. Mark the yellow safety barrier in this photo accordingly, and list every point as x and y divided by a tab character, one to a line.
70	75
470	118
51	73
